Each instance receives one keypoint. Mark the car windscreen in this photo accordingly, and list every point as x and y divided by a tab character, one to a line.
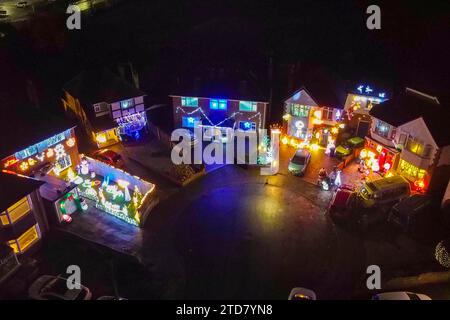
299	160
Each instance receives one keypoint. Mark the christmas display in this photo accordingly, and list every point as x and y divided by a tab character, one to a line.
113	197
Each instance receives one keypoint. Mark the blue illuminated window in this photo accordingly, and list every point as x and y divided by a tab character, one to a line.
189	102
218	104
247	106
189	121
126	104
247	126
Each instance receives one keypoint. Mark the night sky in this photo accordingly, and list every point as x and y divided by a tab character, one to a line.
167	39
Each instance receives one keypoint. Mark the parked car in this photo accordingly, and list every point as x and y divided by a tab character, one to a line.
348	146
411	212
400	295
342	203
22	4
299	162
55	288
302	294
110	157
3	12
385	191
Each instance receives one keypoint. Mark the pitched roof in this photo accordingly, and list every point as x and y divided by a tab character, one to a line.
410	105
14	187
222	82
100	85
25	126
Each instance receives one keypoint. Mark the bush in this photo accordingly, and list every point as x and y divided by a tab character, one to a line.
198	167
182	172
442	253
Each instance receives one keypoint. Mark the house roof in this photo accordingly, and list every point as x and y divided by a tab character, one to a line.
100	85
222	82
410	105
25	126
14	187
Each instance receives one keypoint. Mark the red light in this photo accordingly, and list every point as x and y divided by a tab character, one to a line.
419	184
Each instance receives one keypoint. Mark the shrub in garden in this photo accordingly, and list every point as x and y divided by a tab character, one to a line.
182	172
442	253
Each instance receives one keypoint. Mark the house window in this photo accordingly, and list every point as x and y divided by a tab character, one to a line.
247	106
17	211
26	240
127	104
97	108
189	102
189	121
327	113
418	147
299	110
218	104
382	128
247	125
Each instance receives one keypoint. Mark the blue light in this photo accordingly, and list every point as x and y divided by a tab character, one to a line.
382	95
218	104
297	96
247	125
189	122
213	104
368	89
360	88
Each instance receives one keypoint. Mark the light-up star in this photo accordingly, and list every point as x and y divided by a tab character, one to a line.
247	125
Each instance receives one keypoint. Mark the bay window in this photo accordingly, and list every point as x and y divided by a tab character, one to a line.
382	129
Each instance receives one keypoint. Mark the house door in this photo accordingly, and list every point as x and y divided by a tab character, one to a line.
363	129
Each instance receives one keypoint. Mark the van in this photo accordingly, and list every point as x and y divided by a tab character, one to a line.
384	191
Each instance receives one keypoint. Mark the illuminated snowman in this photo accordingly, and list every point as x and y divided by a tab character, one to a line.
84	167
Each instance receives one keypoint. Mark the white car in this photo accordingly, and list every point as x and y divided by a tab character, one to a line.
55	288
400	295
22	4
302	294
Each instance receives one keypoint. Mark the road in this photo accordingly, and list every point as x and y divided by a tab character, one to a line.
16	14
235	234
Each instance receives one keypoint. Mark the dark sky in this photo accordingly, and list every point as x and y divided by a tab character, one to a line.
166	38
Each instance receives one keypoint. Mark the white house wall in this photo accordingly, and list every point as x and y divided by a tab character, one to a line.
301	97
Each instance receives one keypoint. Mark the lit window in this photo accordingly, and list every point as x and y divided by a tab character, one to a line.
299	110
189	102
247	126
247	106
218	104
127	104
327	113
382	129
26	240
418	147
16	211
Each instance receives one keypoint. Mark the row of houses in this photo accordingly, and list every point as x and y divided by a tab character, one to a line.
403	130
